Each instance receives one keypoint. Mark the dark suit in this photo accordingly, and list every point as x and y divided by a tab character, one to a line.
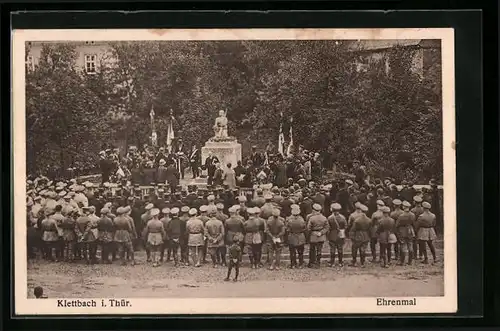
172	176
161	175
149	176
195	162
210	166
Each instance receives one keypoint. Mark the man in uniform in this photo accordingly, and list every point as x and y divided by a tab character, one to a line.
214	234
242	207
234	227
123	236
317	227
396	203
174	232
50	235
166	241
145	217
86	230
286	204
359	234
259	200
253	238
417	211
195	230
155	234
296	228
375	220
385	233
336	234
183	239
405	232
106	233
424	227
275	230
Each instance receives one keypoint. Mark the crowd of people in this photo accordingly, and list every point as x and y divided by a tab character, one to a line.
70	220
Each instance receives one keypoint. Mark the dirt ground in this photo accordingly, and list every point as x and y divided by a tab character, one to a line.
64	280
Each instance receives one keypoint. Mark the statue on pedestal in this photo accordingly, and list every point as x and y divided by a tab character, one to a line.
220	127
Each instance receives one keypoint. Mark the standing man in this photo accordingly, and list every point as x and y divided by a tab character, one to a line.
195	161
317	227
360	235
405	233
123	235
172	176
296	228
214	232
385	231
375	220
210	165
425	231
336	234
106	233
275	230
417	211
195	230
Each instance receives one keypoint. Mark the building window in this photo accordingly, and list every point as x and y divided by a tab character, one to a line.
30	63
90	63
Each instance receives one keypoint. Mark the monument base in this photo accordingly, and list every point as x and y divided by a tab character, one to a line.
226	151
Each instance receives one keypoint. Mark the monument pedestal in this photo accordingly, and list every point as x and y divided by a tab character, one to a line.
227	151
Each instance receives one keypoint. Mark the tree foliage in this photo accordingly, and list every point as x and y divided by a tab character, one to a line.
390	119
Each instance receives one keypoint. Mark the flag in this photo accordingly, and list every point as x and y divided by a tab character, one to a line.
170	133
290	146
281	137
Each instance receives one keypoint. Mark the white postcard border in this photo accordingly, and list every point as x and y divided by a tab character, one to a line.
444	304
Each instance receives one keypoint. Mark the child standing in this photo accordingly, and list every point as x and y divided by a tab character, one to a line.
234	259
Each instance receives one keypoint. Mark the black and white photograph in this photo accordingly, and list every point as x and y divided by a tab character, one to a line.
234	171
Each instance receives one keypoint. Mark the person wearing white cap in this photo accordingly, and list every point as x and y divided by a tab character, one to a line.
214	234
417	210
385	230
80	198
174	231
234	227
124	233
68	235
405	233
318	227
184	236
166	243
356	213
86	231
50	202
195	230
424	226
204	218
267	208
253	238
296	228
106	229
375	221
50	235
145	217
220	213
359	233
336	234
394	215
275	231
154	235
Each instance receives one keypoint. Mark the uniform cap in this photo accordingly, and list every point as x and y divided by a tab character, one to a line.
317	207
385	209
211	197
212	209
220	206
88	185
71	194
294	206
380	203
406	204
162	162
165	211
62	193
242	198
108	205
155	211
363	208
106	211
185	209
336	206
357	205
295	211
426	205
149	206
251	211
268	197
174	211
350	182
203	208
192	211
396	202
417	198
126	209
232	209
256	210
276	212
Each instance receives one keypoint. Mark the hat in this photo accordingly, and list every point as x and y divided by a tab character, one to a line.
203	208
317	207
211	197
426	205
71	194
165	210
149	206
380	203
174	211
185	209
37	198
406	204
232	209
357	205
220	206
126	209
268	197
349	182
242	198
67	196
192	211
106	210
295	211
363	208
385	209
211	209
396	202
417	198
257	210
155	212
120	210
276	212
62	193
162	162
336	206
251	211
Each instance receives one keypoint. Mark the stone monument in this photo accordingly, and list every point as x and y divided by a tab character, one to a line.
225	147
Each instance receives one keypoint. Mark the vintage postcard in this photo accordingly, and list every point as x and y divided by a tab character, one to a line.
221	171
